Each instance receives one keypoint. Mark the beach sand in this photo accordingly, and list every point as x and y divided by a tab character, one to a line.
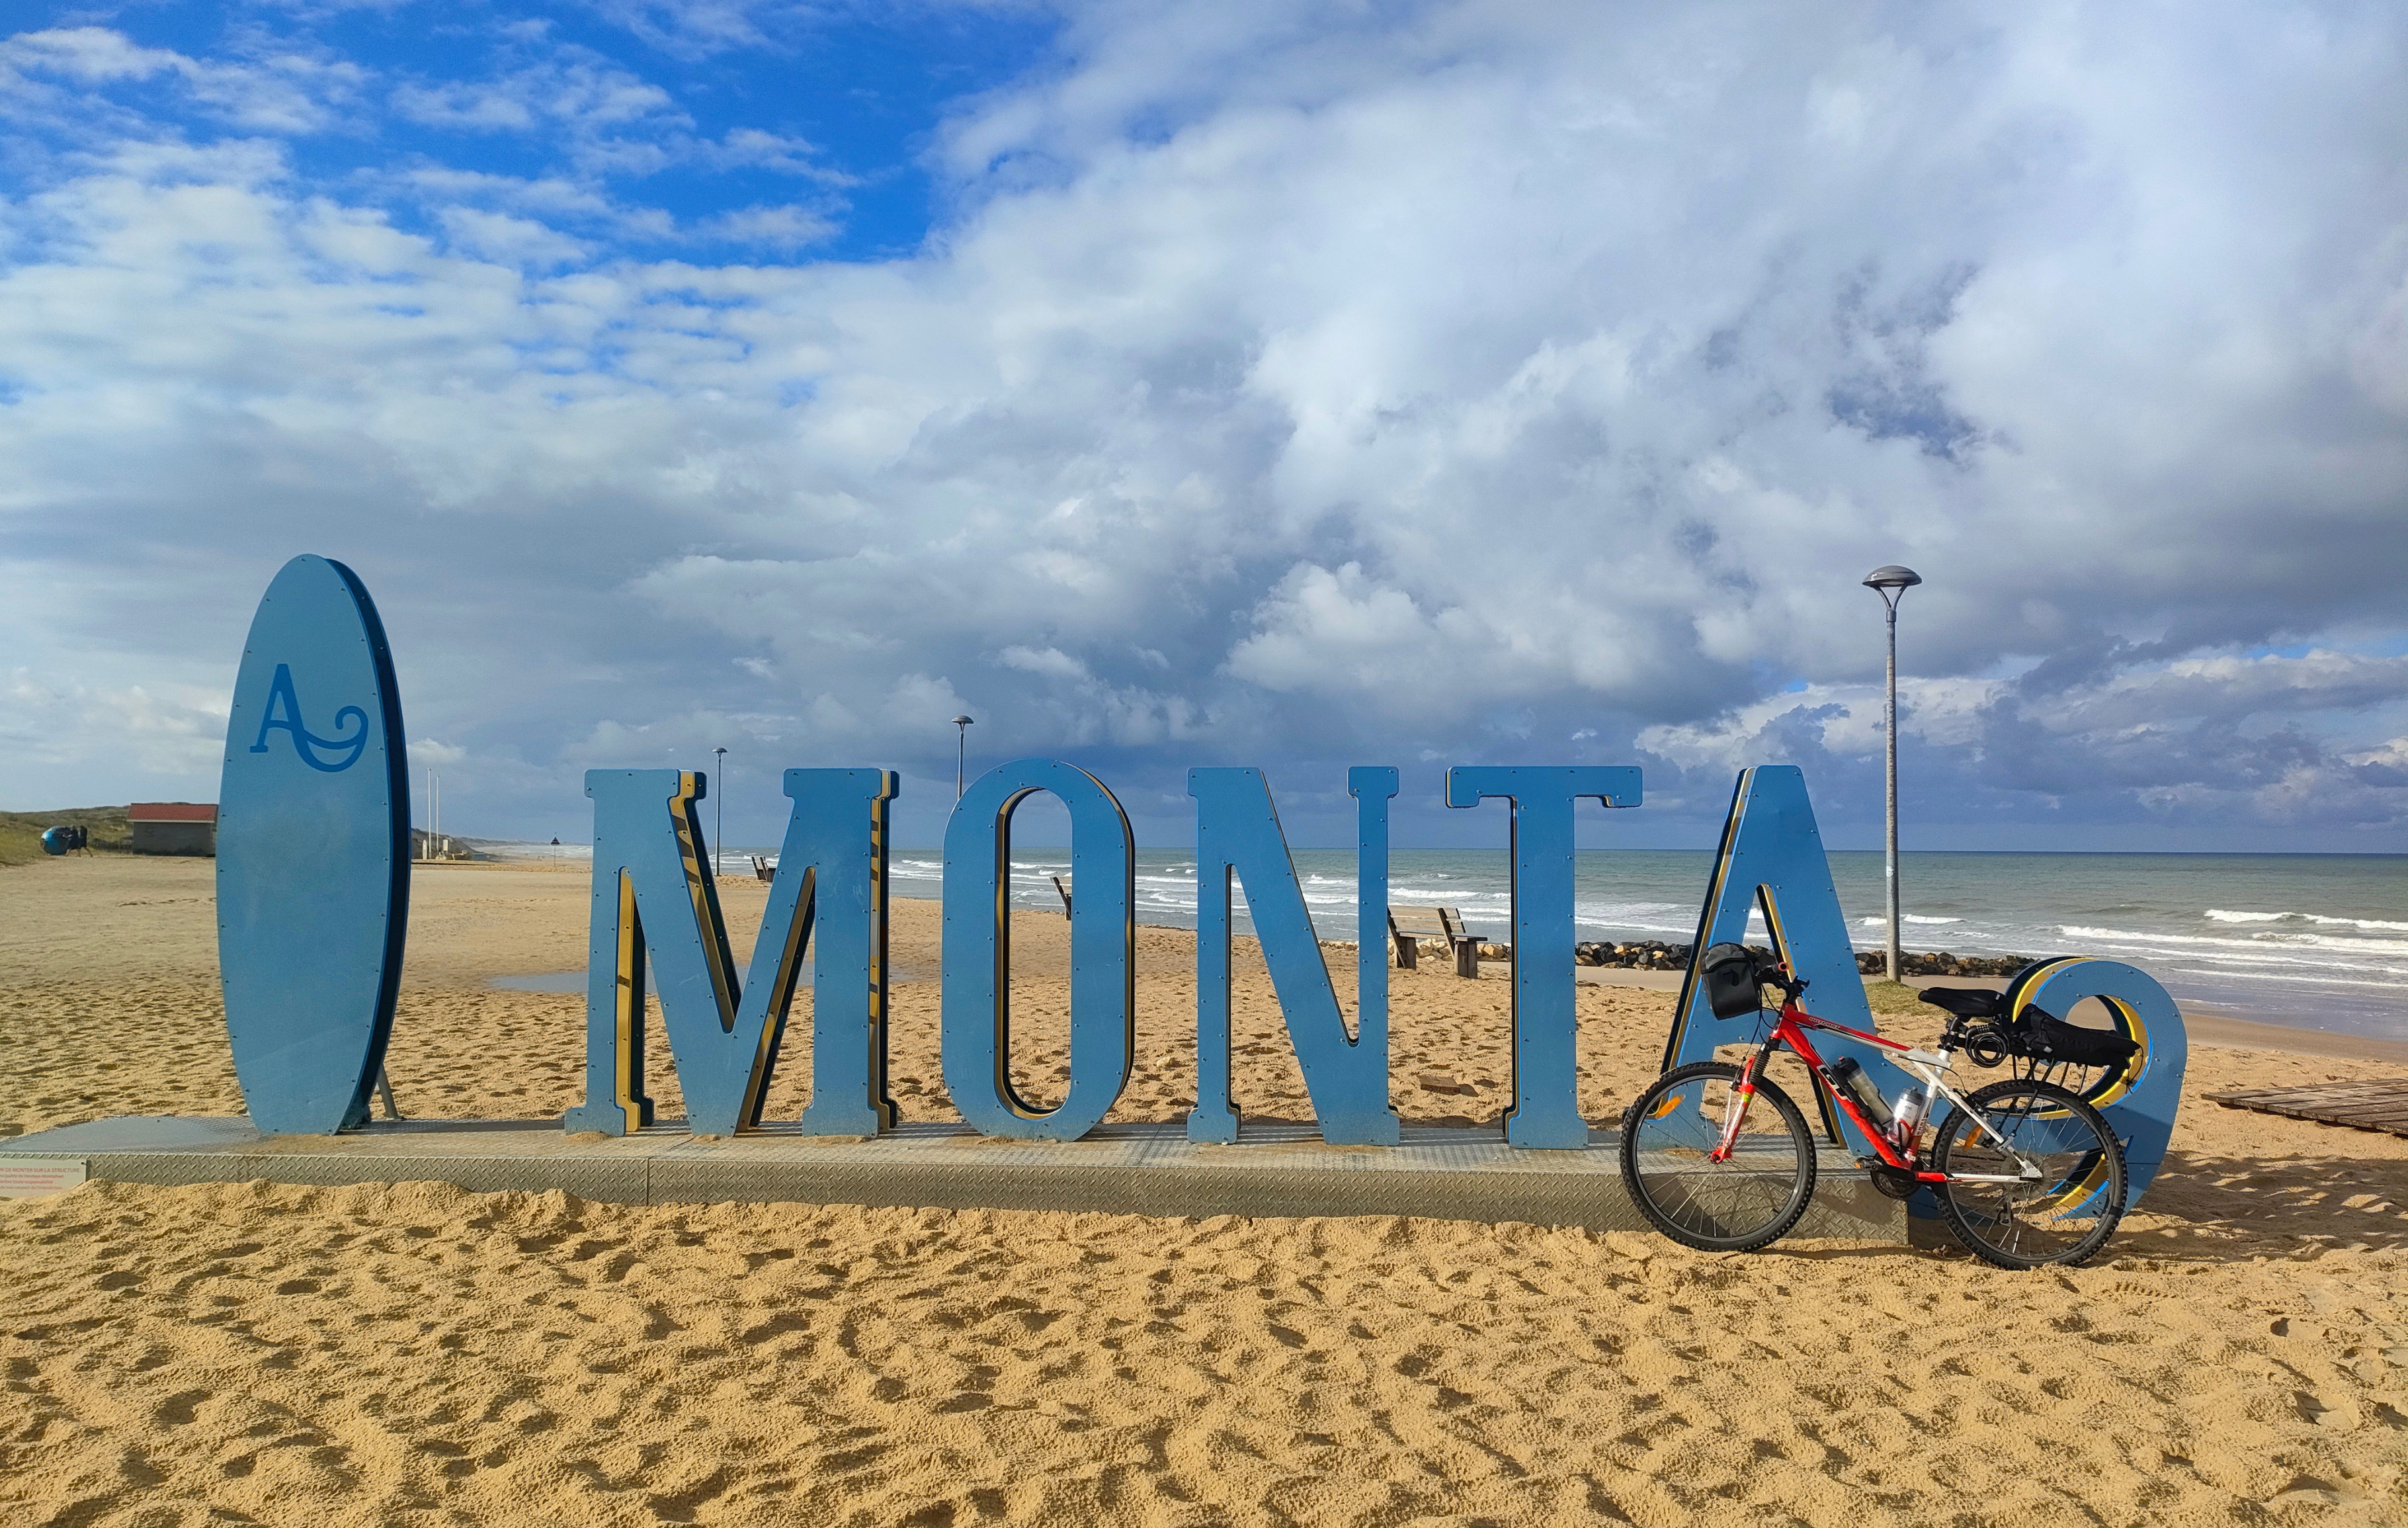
418	1354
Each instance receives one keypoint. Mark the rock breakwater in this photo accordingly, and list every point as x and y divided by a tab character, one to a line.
1655	955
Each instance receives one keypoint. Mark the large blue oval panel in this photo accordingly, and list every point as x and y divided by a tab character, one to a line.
313	853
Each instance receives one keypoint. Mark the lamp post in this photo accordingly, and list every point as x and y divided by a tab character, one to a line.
961	750
719	817
1890	582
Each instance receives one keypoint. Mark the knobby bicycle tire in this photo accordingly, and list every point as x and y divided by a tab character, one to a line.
2066	1216
1739	1205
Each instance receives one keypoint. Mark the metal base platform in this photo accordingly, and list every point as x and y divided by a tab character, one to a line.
1150	1168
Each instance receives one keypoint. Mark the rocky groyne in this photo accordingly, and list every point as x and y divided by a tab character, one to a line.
1655	955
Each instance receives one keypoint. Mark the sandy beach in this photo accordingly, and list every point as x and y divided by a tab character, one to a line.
418	1354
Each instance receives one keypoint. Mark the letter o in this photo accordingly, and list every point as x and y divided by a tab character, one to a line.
2138	1102
977	1000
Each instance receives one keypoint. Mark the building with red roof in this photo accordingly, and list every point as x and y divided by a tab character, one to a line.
174	826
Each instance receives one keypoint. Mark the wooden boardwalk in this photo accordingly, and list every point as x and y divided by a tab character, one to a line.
2360	1106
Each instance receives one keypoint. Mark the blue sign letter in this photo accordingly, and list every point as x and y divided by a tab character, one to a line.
1546	1028
654	905
976	996
1772	855
1237	831
826	844
2138	1099
304	743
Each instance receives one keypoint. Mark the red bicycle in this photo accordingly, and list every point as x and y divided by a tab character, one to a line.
1718	1157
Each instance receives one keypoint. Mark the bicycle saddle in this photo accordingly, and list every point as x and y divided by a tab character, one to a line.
1966	1002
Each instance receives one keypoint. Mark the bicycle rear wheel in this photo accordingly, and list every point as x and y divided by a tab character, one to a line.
1748	1199
2061	1212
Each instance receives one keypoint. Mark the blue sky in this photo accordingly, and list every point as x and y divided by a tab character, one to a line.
1285	384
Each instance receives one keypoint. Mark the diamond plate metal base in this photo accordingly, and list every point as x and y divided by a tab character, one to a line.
1151	1169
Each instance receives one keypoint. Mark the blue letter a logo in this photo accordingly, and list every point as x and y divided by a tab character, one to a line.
283	710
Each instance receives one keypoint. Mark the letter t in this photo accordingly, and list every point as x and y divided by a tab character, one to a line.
1546	1079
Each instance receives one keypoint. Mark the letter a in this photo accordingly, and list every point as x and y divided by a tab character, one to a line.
1772	855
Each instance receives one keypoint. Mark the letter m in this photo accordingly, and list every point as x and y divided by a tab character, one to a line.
656	921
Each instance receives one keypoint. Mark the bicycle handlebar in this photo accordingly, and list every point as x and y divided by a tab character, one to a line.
1794	986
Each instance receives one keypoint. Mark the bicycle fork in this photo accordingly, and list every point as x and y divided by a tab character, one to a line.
1743	1094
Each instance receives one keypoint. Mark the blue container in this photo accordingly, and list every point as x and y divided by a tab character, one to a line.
54	841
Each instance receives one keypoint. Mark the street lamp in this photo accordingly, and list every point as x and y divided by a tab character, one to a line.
961	750
719	818
1891	582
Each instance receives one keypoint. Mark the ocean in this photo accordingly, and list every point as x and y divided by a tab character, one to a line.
2310	941
2314	941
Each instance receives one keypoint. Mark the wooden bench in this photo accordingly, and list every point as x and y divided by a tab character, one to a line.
763	870
1409	926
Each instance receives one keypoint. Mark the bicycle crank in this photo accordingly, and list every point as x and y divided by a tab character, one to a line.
1897	1182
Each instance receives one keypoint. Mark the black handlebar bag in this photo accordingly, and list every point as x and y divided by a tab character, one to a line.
1734	981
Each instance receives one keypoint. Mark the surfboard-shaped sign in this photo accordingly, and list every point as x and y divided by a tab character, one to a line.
313	853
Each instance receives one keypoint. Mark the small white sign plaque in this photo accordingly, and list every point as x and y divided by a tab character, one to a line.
32	1177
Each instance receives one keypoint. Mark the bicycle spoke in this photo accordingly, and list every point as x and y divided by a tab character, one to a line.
2065	1186
1750	1196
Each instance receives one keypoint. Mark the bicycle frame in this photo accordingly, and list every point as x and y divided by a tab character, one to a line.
1925	1065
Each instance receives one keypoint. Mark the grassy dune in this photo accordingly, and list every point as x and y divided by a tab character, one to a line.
20	832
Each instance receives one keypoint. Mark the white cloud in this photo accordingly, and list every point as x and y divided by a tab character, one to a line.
480	108
2230	689
273	91
514	242
1840	719
425	752
170	729
89	54
585	96
2198	736
1340	633
776	228
1051	661
749	147
1300	386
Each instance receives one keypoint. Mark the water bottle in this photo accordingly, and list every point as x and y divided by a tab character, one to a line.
1907	1111
1848	1074
1905	1115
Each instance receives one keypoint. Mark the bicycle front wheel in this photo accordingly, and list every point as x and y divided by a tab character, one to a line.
1746	1200
2034	1175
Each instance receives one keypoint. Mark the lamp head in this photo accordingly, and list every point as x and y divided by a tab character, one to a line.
1892	577
963	721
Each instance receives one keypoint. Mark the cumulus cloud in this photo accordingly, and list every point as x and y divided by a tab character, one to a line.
173	730
1304	387
430	753
2196	739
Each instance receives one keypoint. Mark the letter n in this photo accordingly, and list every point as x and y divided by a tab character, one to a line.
1238	832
